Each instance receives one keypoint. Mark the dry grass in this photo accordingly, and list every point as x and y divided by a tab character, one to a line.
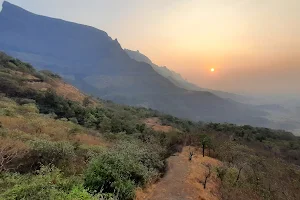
146	193
63	89
24	123
90	140
156	125
36	126
47	128
10	151
197	175
68	91
24	75
41	86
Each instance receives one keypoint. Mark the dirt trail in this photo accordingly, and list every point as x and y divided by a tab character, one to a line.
182	181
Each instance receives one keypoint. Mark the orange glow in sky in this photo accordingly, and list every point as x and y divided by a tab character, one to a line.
256	42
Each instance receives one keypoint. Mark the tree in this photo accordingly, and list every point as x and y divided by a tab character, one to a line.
238	157
105	125
141	127
221	172
86	101
205	142
207	174
90	120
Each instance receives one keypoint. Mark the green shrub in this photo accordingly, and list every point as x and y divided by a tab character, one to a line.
48	184
90	121
89	152
105	125
28	108
47	152
123	168
150	154
79	193
50	102
23	101
111	173
10	87
74	120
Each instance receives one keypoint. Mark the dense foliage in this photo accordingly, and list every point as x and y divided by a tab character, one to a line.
48	183
123	168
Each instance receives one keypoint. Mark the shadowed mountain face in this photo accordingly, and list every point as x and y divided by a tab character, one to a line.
179	81
174	77
95	63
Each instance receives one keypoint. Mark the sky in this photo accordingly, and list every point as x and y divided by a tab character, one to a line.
254	45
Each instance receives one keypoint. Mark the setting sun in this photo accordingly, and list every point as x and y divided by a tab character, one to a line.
212	69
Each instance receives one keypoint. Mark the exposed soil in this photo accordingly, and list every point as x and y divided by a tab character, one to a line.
183	179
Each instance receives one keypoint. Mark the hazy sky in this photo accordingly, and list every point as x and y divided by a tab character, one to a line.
254	45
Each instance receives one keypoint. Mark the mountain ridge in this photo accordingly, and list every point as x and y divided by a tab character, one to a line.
97	64
179	81
173	76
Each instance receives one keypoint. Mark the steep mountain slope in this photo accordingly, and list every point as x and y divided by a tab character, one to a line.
179	81
96	64
164	71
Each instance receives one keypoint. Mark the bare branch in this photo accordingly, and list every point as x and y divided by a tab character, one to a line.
207	174
10	151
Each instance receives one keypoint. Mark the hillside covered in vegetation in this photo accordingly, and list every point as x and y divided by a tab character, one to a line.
58	143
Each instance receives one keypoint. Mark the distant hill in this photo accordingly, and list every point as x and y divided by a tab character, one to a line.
92	61
164	71
273	107
179	81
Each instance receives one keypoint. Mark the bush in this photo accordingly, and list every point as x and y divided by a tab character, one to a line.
28	108
47	152
105	125
48	184
122	169
23	101
112	174
10	87
89	152
90	121
50	102
73	120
